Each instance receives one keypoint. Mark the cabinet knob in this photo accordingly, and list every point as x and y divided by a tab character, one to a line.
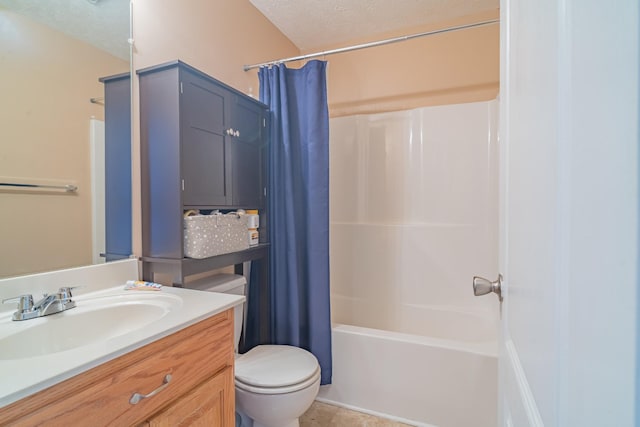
233	132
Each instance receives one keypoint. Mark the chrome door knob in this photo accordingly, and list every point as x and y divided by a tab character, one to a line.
482	286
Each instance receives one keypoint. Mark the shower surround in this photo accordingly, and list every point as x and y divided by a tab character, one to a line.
414	216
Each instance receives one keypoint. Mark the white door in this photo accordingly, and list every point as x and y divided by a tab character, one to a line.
569	212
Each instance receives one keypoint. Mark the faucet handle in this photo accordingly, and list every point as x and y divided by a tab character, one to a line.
25	302
64	293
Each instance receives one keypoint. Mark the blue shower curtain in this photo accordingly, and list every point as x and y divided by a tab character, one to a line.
299	208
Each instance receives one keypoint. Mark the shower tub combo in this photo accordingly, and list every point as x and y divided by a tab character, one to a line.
413	219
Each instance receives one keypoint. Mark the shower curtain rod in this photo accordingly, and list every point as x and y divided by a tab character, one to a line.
371	44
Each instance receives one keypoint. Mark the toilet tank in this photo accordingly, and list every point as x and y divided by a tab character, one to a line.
226	284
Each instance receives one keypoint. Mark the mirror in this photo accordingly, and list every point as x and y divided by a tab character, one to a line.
52	113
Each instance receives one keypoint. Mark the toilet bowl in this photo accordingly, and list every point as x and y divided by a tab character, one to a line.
275	384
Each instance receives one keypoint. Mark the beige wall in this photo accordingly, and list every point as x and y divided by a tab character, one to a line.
43	232
44	132
456	67
217	37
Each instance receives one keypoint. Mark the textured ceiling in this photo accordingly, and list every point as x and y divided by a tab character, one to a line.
104	24
309	24
312	24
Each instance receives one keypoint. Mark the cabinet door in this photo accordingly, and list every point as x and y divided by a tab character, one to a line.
206	157
248	122
210	404
117	111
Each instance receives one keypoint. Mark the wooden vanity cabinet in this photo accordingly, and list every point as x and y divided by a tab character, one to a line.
202	407
201	391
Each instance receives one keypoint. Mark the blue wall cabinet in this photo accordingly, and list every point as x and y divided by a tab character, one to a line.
203	146
117	100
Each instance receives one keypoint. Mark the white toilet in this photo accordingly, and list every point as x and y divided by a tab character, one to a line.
275	384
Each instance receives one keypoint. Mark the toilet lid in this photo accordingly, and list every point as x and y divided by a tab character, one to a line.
275	366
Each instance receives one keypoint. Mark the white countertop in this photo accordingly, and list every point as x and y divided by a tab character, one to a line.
21	377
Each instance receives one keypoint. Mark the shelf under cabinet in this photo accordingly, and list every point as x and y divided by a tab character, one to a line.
178	269
188	266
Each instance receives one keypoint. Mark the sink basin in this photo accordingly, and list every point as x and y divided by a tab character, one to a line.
93	320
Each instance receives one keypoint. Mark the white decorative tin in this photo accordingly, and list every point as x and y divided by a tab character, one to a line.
209	235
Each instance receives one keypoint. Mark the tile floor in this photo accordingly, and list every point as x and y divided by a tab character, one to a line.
323	415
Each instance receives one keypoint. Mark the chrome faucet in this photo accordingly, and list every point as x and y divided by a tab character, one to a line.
49	304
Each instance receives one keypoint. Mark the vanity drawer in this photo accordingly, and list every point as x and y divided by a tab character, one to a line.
101	395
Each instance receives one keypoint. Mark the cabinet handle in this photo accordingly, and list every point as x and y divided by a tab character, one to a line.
137	397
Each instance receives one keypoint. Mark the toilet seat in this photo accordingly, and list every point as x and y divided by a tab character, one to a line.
276	369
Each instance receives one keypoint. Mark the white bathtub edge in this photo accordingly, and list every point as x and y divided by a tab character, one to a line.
480	348
368	377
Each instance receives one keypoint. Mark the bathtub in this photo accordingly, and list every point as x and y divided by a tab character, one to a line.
415	379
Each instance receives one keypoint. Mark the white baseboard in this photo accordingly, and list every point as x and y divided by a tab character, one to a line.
374	413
